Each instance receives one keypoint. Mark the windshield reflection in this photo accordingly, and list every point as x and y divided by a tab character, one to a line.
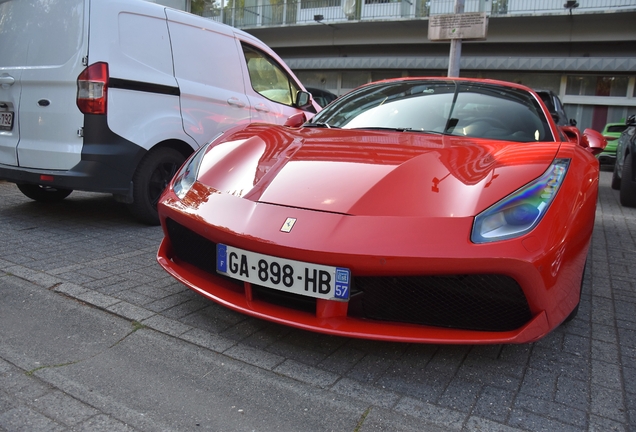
458	108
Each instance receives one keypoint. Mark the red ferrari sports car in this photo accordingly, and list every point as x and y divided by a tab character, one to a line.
434	210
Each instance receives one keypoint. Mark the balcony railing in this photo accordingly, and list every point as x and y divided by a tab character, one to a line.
267	13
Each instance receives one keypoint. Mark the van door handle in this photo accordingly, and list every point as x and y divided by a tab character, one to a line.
6	80
262	108
236	102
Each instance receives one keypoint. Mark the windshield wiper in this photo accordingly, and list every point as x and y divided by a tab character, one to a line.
318	124
398	129
403	129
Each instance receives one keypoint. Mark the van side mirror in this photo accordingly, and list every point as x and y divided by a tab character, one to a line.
631	120
303	99
572	122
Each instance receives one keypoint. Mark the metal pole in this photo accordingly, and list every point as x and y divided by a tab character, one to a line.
456	46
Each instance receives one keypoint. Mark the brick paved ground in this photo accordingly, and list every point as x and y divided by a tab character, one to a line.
580	377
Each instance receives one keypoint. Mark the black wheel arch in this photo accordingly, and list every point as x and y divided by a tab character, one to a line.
182	147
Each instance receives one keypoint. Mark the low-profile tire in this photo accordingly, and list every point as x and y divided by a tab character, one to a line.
628	185
45	194
616	180
152	176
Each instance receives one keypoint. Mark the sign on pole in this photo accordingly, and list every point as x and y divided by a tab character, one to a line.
470	25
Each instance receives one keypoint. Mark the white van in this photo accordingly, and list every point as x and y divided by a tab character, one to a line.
112	95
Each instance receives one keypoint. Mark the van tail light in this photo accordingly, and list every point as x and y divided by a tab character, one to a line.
92	89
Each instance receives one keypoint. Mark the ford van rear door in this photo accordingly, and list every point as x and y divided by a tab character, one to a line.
9	106
41	49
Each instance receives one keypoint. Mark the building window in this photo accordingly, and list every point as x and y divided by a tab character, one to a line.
315	4
593	85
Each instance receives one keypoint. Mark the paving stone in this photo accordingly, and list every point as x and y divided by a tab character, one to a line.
551	410
573	393
295	345
540	383
481	424
207	340
440	416
460	395
63	408
166	325
102	423
305	373
494	404
130	311
607	374
533	422
24	419
6	402
254	356
608	403
379	397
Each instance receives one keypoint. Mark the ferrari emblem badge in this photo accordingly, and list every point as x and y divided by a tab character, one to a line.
288	225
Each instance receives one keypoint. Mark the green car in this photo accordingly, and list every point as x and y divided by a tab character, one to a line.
611	132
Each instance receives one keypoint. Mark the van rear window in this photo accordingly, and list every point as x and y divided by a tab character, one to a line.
40	33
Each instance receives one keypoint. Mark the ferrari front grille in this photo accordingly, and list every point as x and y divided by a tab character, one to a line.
488	302
192	248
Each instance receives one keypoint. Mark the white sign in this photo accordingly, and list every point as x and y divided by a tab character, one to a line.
473	25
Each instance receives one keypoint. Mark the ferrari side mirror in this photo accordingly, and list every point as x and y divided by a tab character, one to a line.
593	141
296	120
571	133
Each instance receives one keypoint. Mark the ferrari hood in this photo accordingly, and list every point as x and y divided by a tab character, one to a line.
372	172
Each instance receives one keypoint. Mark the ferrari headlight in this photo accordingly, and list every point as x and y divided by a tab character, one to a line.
521	211
189	172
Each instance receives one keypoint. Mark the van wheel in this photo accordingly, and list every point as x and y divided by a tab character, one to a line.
153	174
616	180
45	194
628	185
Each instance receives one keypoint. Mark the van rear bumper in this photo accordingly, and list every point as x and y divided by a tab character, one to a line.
108	163
86	176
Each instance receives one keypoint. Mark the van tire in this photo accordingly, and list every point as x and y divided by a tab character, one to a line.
152	176
45	194
628	185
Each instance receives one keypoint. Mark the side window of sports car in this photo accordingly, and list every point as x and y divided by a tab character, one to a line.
268	78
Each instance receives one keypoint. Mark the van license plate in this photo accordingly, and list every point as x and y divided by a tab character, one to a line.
6	120
307	279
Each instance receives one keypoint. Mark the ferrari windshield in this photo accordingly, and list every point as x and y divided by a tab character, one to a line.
454	107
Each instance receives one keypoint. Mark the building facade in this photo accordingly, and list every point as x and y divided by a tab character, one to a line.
584	50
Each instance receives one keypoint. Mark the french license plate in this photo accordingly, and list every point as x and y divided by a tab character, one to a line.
312	280
6	120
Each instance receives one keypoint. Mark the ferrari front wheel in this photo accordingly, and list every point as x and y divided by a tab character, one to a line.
628	185
45	194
